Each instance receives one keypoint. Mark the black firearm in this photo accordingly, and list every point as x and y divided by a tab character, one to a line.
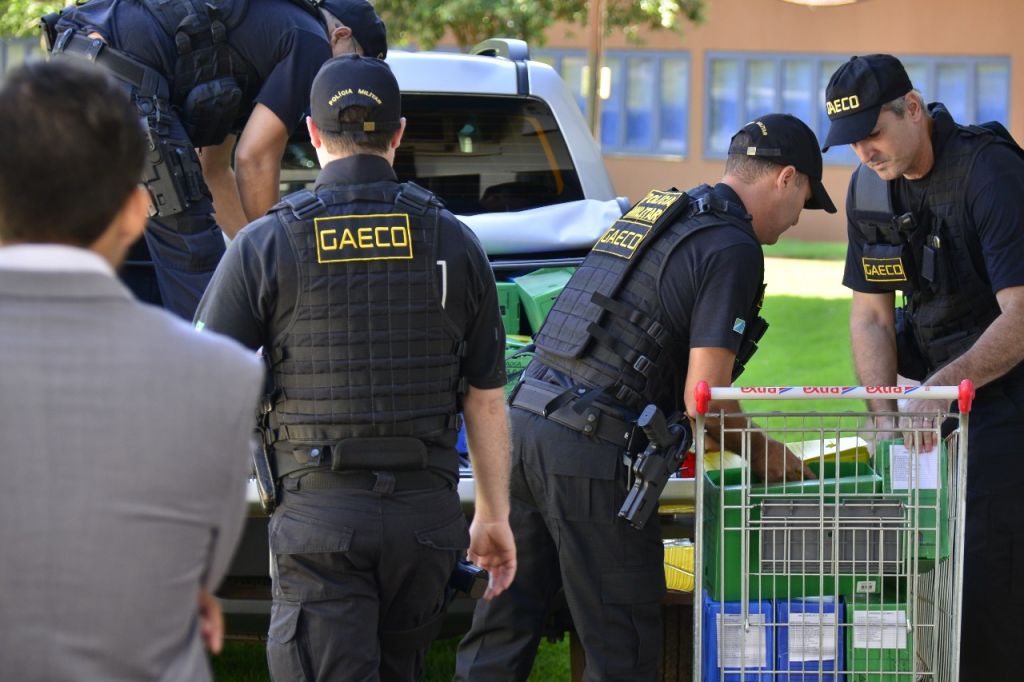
667	445
264	474
469	579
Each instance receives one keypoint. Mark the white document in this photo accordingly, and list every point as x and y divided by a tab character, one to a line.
738	646
879	630
927	474
812	637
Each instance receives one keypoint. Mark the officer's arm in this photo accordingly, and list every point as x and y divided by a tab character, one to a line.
220	178
491	544
997	350
769	459
873	340
258	161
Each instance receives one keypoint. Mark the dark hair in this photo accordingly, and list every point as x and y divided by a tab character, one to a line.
356	142
73	150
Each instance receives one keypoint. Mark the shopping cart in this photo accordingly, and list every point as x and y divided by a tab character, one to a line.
854	576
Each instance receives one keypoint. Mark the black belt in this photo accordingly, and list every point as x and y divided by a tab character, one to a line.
149	81
379	481
549	401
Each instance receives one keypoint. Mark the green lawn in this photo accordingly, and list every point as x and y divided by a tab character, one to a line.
806	344
811	250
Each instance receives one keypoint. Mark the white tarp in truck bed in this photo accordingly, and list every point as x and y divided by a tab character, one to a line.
574	225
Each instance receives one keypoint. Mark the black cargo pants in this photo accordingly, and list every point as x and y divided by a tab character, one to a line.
359	580
566	490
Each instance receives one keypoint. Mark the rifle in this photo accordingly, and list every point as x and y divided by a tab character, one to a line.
651	469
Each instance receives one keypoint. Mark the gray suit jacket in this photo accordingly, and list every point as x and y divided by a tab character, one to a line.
124	439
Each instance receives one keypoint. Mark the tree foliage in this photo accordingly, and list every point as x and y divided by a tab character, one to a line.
20	17
425	22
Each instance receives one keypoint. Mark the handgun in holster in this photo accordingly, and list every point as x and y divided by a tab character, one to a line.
263	471
651	469
469	579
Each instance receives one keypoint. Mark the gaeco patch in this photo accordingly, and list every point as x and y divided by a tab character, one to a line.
623	237
380	236
884	270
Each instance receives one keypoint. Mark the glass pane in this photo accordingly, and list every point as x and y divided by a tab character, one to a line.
640	102
675	85
611	108
760	88
797	86
951	90
918	72
574	74
725	106
993	86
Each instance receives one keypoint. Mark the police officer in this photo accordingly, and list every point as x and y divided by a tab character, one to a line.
935	210
378	314
668	296
203	75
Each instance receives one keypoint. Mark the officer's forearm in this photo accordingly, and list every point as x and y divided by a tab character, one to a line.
997	350
258	186
487	437
873	342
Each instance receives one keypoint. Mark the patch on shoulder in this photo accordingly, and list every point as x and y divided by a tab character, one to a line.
739	326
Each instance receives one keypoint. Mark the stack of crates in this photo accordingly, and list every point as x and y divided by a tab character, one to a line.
826	565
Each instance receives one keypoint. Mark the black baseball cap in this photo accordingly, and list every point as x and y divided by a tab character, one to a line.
351	80
787	141
856	93
367	27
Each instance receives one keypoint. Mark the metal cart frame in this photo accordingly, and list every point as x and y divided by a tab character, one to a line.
872	561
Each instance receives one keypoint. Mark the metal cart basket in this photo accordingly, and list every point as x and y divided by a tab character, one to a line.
853	576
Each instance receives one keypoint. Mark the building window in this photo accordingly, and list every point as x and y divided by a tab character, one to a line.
743	86
647	106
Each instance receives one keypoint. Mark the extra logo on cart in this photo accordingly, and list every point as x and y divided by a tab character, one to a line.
828	390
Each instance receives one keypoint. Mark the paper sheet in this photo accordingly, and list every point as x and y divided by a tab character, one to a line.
738	646
926	476
879	630
812	637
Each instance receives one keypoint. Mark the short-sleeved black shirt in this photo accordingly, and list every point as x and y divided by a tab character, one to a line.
252	296
994	194
711	282
283	44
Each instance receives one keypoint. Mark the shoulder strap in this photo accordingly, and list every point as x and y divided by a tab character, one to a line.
416	199
872	205
303	205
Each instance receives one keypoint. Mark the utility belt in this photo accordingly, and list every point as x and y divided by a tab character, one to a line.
384	482
360	459
173	175
149	81
568	407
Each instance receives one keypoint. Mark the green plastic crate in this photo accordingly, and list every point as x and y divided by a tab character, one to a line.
509	305
879	646
922	504
723	561
538	291
515	364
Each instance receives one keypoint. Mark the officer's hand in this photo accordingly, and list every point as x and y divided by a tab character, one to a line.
920	424
492	548
211	622
778	463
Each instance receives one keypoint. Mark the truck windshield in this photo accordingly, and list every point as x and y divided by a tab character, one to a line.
478	154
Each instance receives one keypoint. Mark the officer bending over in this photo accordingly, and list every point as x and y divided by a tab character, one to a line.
669	296
204	75
378	314
935	211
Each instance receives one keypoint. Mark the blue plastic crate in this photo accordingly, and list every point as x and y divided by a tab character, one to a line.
809	641
733	646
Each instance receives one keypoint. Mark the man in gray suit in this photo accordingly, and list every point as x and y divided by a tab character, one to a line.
123	432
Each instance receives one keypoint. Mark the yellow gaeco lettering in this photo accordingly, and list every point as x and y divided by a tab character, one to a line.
341	239
833	107
884	270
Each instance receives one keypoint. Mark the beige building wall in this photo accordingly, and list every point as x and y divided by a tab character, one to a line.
903	27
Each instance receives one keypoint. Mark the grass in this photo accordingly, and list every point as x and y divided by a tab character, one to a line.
806	344
810	250
246	662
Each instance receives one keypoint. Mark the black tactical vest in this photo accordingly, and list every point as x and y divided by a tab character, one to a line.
608	330
929	253
370	352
